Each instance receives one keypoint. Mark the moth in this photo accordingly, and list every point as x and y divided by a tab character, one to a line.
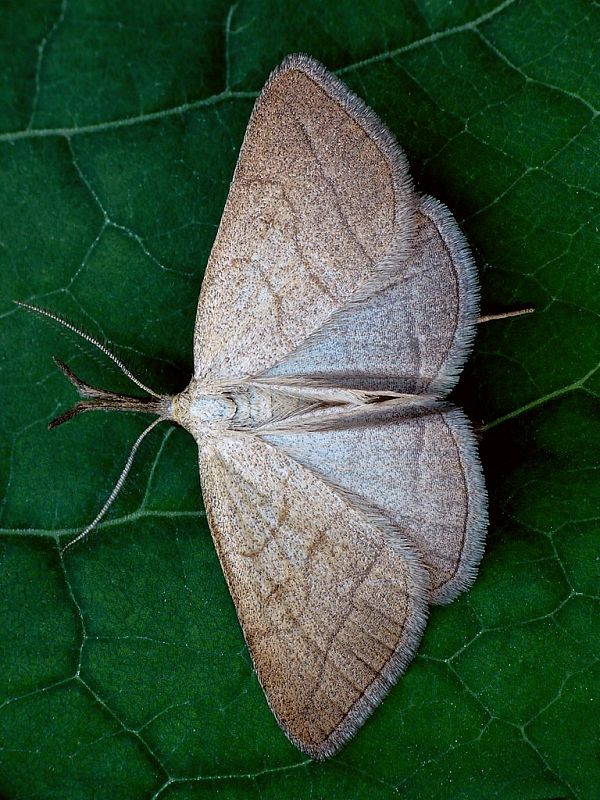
344	493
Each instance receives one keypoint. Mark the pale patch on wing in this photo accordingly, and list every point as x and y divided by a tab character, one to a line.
320	196
421	471
331	603
406	330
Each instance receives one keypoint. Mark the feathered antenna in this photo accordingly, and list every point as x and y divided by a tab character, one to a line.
102	347
116	489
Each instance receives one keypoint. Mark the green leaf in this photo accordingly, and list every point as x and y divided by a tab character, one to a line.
123	670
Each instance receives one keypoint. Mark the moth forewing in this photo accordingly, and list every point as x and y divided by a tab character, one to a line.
332	607
321	193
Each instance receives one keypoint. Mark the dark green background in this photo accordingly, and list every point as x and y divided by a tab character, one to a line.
123	670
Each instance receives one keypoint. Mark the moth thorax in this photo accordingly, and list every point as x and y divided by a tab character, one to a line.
195	409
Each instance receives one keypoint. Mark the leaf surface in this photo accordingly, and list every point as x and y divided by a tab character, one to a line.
123	671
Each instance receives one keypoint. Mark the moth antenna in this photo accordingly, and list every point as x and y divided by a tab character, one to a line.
505	315
102	347
117	487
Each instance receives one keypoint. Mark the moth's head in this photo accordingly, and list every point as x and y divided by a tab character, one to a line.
180	408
